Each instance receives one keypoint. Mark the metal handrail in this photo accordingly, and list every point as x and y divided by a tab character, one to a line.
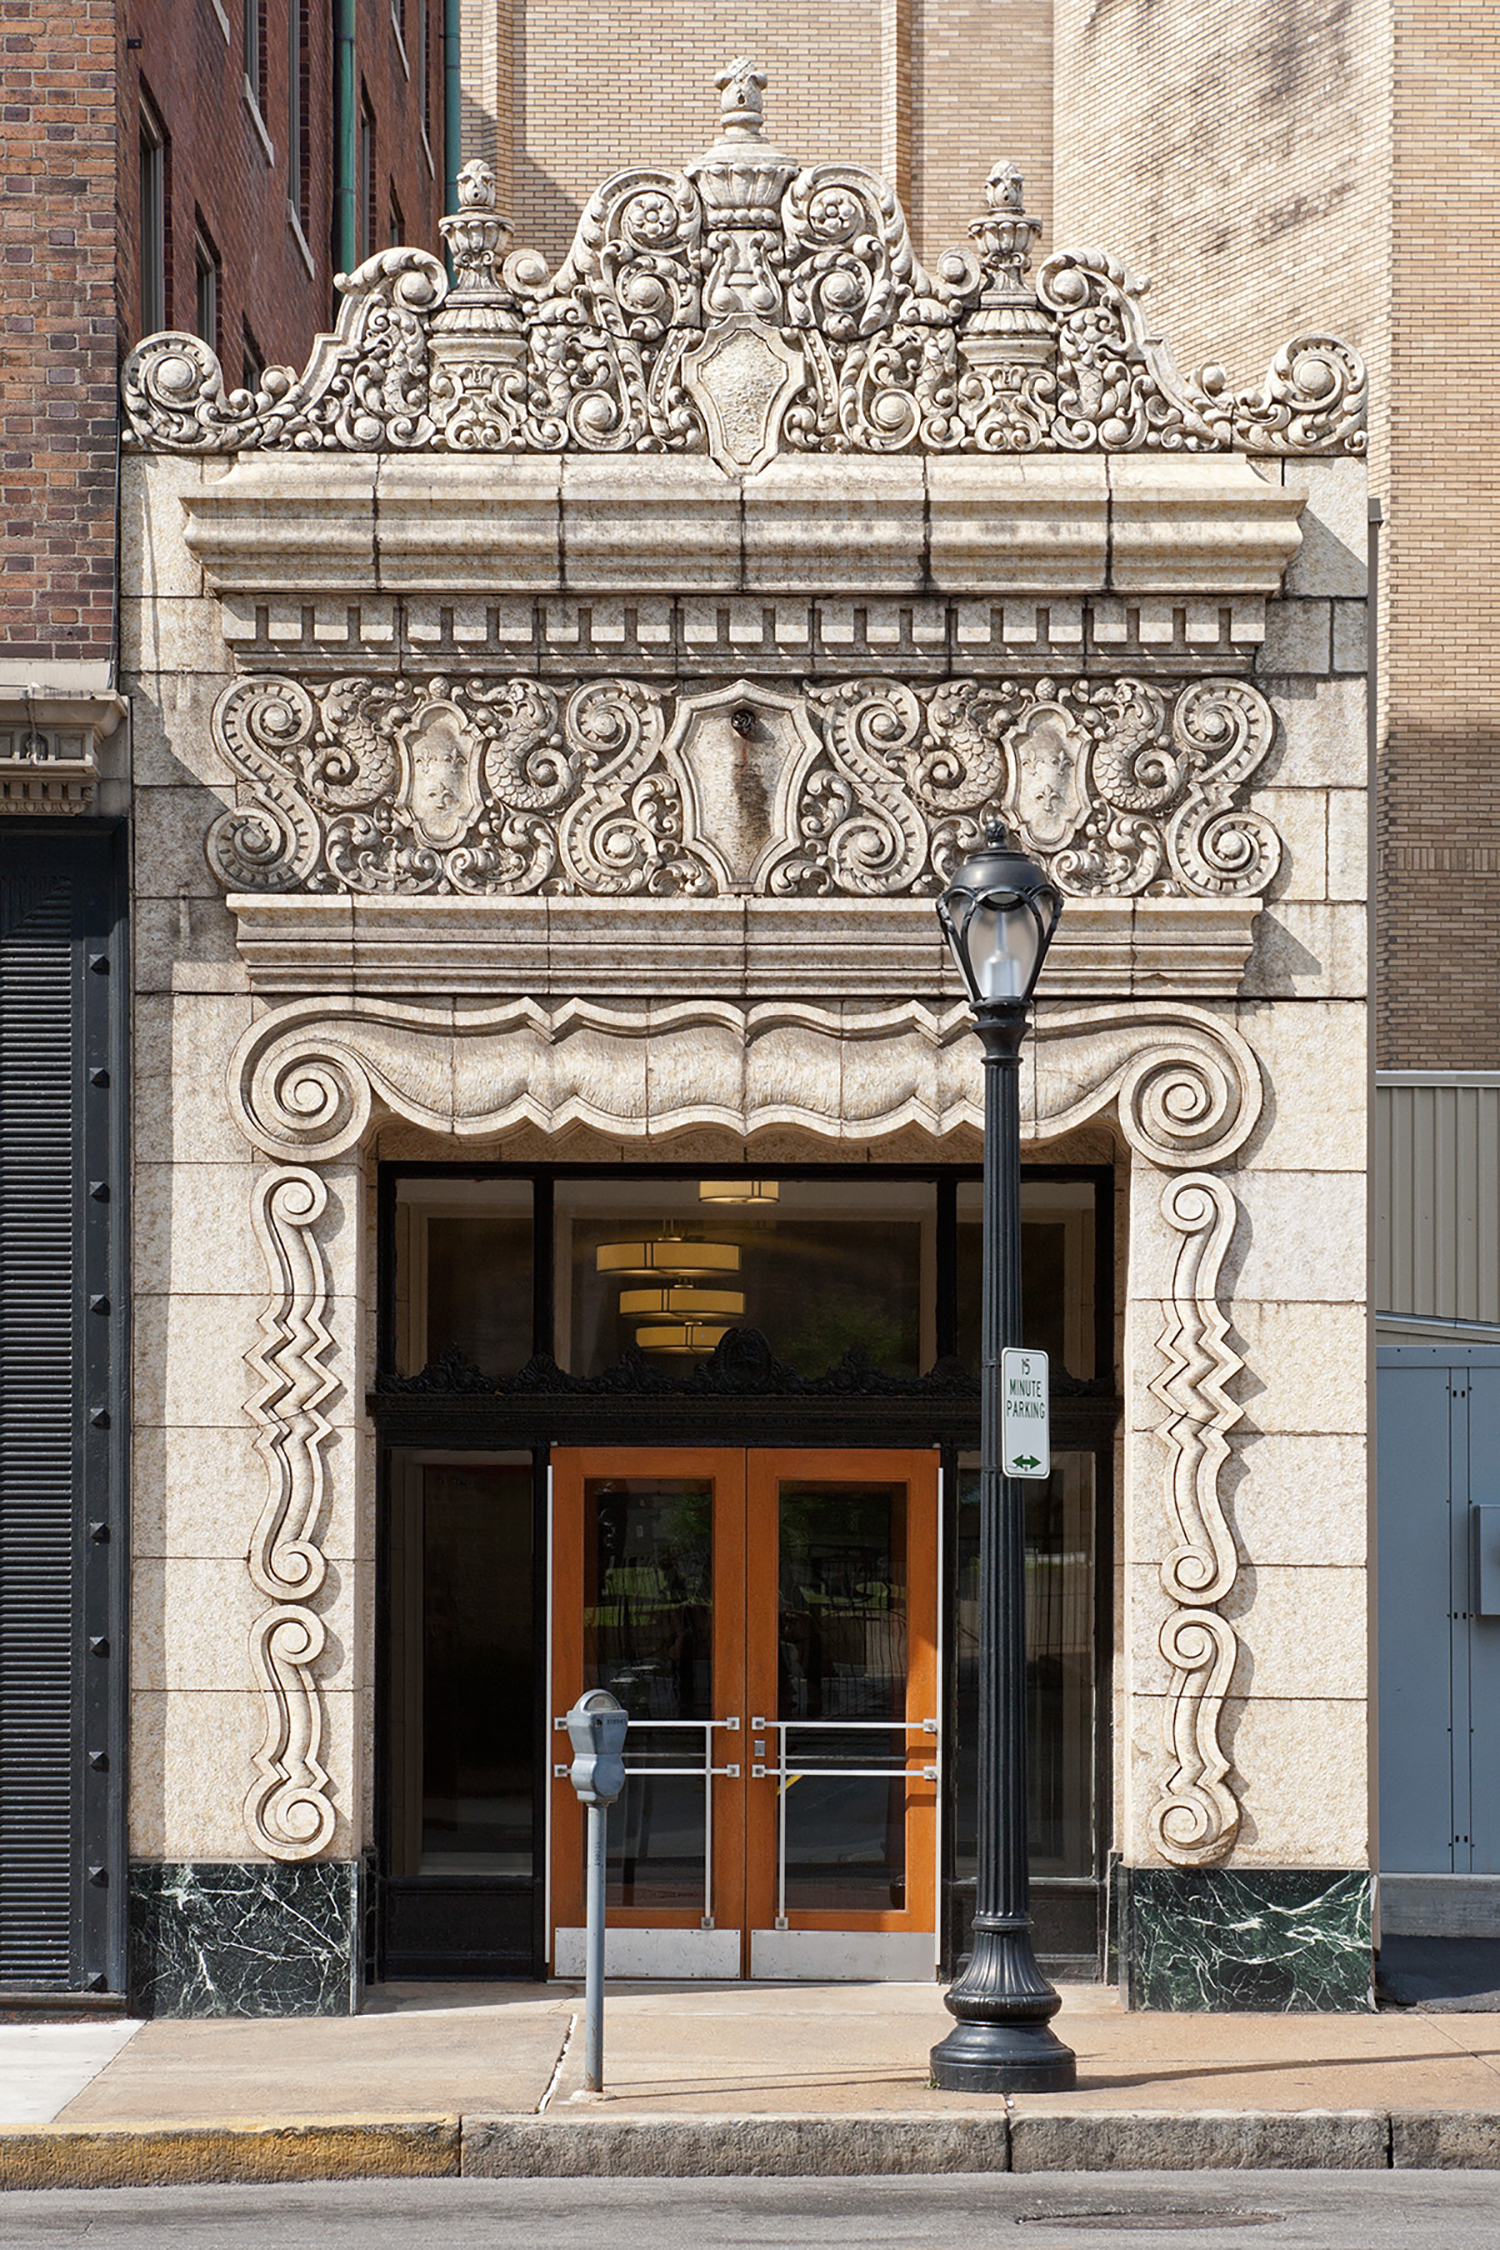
783	1774
707	1773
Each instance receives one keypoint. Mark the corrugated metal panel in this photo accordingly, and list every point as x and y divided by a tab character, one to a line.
38	1627
62	1891
1437	1195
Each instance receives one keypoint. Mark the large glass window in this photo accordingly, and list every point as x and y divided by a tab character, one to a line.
828	1267
1059	1660
1057	1271
589	1266
464	1273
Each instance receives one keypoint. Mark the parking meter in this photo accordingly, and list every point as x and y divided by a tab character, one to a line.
596	1729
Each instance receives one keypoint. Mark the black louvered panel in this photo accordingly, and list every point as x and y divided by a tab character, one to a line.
39	1315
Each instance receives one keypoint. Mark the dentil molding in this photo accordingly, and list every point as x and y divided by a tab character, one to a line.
307	1080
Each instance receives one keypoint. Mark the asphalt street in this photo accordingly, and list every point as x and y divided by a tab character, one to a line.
1072	2211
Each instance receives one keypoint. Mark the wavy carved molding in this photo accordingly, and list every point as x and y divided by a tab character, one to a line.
307	1079
865	788
289	1812
743	307
1196	1818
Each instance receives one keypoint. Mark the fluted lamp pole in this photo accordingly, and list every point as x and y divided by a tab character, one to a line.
998	915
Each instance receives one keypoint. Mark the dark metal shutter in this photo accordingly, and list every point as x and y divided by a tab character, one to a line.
61	1648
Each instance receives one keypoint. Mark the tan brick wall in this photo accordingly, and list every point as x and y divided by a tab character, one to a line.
1439	925
928	92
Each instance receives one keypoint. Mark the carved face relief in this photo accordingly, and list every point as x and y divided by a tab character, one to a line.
439	789
1048	799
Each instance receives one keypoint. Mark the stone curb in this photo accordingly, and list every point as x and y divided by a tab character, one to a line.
529	2147
337	2148
513	2148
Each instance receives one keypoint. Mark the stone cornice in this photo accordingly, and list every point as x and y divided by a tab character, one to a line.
755	949
299	532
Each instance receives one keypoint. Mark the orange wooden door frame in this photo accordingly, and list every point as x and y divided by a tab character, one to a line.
745	1670
724	1469
919	1473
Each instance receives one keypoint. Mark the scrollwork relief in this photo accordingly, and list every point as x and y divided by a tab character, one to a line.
289	1812
841	340
309	1077
865	788
1196	1818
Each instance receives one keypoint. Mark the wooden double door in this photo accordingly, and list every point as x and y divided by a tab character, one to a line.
769	1620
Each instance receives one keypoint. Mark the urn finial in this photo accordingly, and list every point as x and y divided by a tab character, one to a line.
742	107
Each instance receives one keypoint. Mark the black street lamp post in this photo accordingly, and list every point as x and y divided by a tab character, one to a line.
998	915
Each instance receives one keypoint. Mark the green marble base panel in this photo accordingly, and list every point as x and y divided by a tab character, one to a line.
253	1938
1274	1939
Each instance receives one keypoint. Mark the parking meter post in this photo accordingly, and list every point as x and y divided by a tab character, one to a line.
596	1727
593	1989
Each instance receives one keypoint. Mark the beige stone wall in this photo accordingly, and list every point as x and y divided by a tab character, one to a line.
1293	1612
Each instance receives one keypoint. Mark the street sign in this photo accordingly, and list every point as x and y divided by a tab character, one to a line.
1025	1423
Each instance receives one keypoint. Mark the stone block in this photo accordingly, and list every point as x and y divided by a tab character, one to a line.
1300	819
1291	1939
1334	555
809	526
248	1938
1348	844
198	1493
1299	1501
1305	1367
1094	2140
1298	638
266	522
1303	1632
154	555
999	526
1322	741
1303	1768
1307	950
443	523
1196	524
171	740
848	2147
1436	2140
1303	1052
170	827
191	1230
1351	637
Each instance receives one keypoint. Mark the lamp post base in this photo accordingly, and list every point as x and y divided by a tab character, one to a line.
1003	2058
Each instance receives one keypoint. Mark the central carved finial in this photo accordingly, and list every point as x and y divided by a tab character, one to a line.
741	100
476	186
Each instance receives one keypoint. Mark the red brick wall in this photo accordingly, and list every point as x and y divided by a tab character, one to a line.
220	170
72	75
57	365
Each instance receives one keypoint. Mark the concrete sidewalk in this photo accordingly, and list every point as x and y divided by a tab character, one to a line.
740	2077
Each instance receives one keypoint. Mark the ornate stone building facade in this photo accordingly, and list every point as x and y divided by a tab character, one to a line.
555	711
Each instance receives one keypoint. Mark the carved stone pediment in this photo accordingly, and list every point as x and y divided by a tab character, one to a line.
745	306
485	788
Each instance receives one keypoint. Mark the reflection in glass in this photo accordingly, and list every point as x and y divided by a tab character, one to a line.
478	1689
1057	1272
826	1269
464	1273
1059	1667
648	1637
843	1656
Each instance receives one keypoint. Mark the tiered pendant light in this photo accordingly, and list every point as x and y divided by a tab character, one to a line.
739	1191
683	1319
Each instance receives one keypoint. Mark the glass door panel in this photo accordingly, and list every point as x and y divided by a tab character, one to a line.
841	1641
648	1575
769	1621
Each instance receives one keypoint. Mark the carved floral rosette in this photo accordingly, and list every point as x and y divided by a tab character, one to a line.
875	789
744	306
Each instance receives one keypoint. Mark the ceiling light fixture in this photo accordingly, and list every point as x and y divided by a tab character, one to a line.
739	1191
